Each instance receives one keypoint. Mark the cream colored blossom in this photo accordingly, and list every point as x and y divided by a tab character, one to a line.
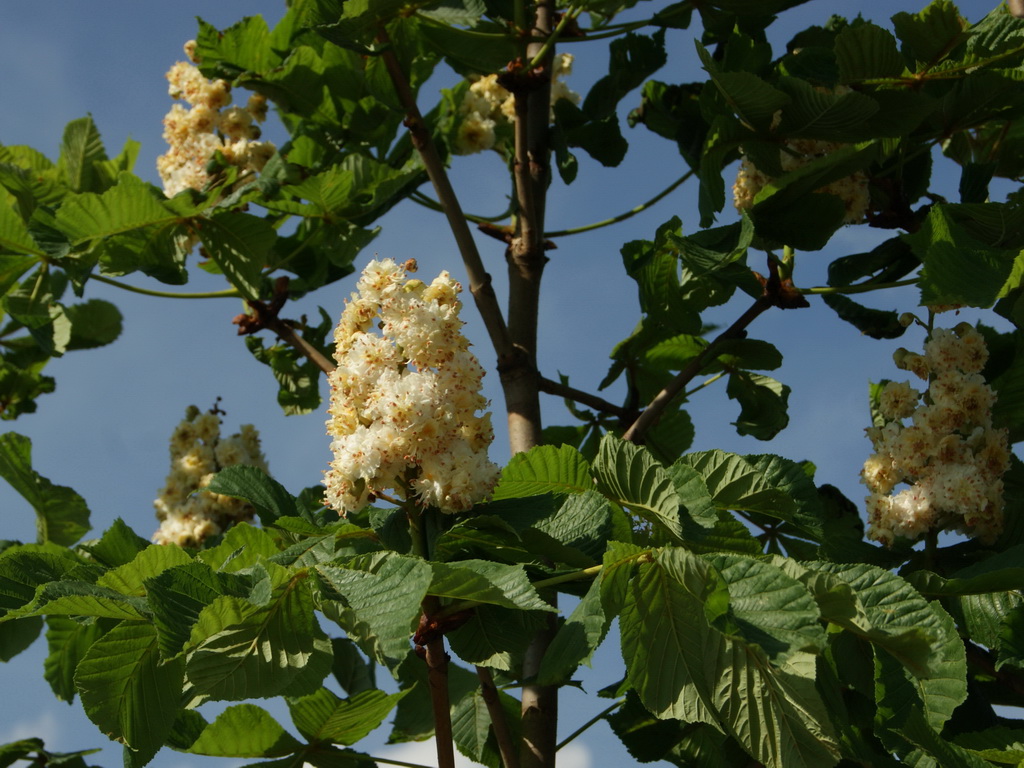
404	405
852	190
193	135
487	104
949	456
187	514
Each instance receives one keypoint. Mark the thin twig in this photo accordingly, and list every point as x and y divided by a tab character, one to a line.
622	216
590	722
502	733
230	293
479	281
584	398
288	335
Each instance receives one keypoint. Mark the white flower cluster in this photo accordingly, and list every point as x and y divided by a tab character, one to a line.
852	190
403	412
949	455
488	102
198	452
209	126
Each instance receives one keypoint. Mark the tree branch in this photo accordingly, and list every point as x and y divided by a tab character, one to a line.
502	733
777	293
437	681
479	280
584	398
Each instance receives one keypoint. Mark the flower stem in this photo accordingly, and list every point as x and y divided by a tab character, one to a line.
230	293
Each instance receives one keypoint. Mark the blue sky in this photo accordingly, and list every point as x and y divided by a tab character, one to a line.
104	431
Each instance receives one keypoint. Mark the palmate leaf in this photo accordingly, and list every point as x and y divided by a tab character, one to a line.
244	730
239	650
61	514
130	578
866	52
544	469
958	267
683	667
81	149
892	608
323	716
751	98
270	499
628	475
497	637
67	641
81	598
240	244
178	595
381	609
578	638
486	582
130	205
24	569
125	689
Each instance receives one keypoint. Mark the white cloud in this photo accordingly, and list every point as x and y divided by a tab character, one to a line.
574	755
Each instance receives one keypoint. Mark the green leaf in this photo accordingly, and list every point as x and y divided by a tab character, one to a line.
94	323
323	716
240	244
751	98
177	597
15	238
470	52
297	376
628	475
67	641
497	637
81	598
893	611
932	34
23	570
682	667
814	114
118	545
381	609
769	608
763	404
130	205
125	689
867	52
129	579
544	469
81	149
958	268
486	582
577	639
876	323
632	59
238	650
255	486
736	484
16	636
61	514
245	730
243	546
245	46
472	727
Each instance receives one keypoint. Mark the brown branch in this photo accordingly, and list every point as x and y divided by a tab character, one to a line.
437	681
479	280
266	315
1005	677
584	398
502	733
777	293
526	259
